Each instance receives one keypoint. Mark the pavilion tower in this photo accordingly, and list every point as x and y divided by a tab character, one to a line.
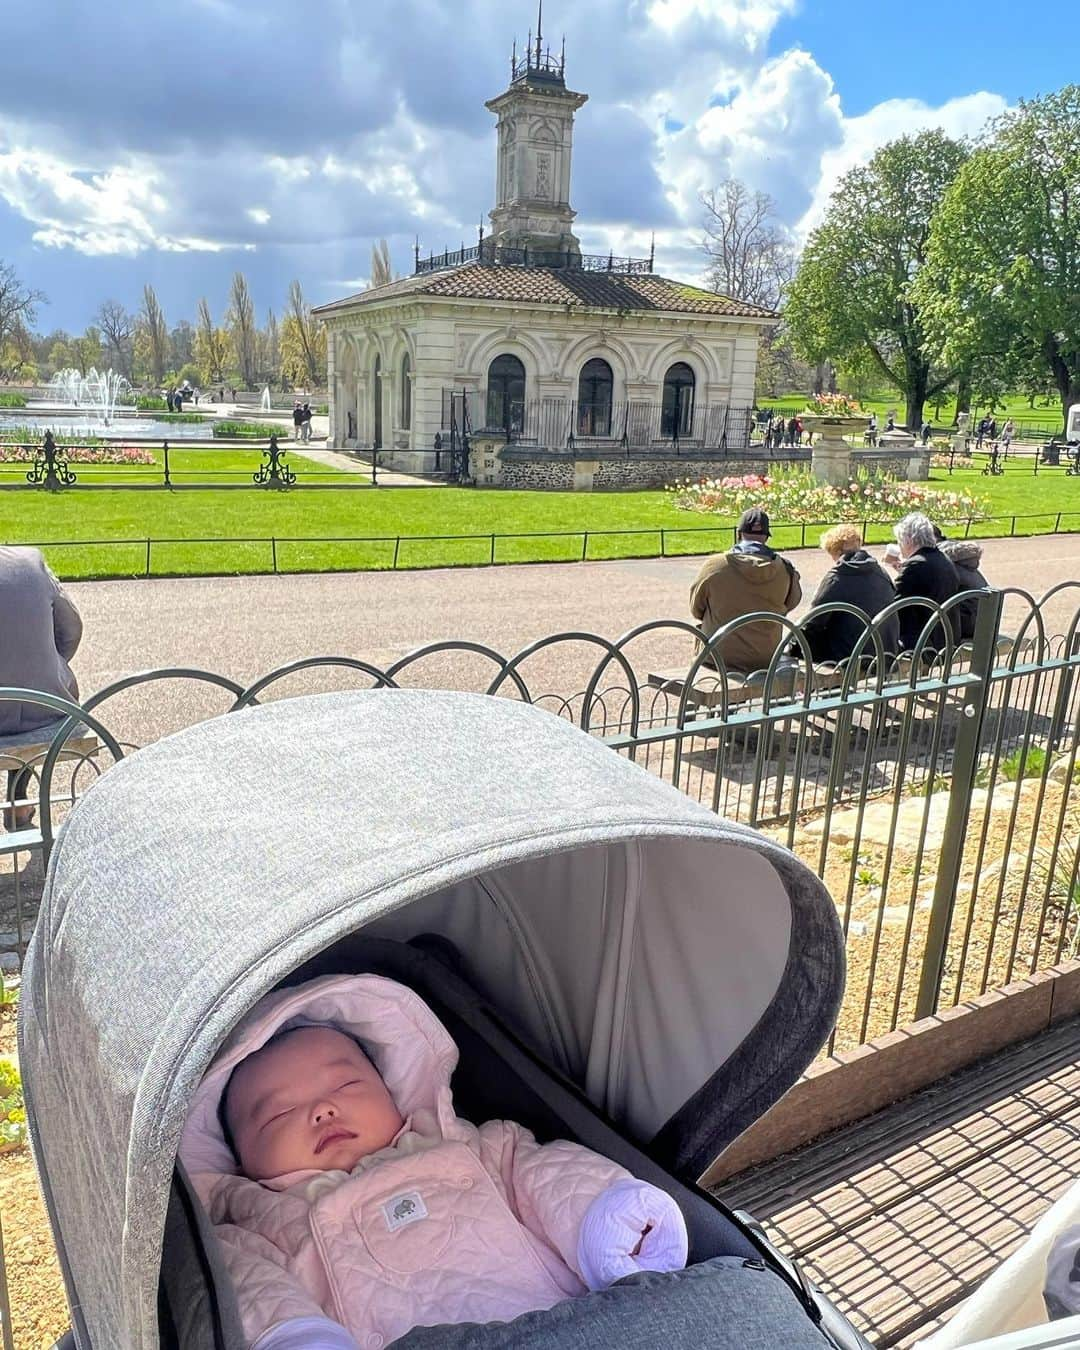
536	134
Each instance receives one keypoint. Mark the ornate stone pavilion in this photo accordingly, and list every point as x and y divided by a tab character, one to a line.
556	354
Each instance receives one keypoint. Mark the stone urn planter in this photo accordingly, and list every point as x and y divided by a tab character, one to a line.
831	454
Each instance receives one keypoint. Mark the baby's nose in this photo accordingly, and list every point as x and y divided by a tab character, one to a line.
325	1111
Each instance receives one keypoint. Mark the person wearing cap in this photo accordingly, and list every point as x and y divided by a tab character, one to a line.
749	579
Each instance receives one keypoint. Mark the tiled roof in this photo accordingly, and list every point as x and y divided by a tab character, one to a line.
558	286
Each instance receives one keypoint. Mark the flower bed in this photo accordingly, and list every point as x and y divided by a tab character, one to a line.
102	453
799	498
833	405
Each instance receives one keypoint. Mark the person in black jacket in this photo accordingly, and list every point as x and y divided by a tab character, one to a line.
965	556
924	572
856	579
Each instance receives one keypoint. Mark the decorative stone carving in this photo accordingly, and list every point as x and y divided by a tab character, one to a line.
543	175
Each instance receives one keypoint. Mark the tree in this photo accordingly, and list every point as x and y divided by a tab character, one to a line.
382	270
86	350
211	346
752	256
854	294
240	321
1003	271
18	305
152	337
303	342
117	329
182	340
270	350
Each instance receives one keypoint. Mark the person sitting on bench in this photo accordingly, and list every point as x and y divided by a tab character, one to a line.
748	578
33	605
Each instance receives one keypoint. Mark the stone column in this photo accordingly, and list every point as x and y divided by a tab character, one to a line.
959	441
331	388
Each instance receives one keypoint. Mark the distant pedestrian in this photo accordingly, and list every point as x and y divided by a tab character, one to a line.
871	430
981	432
1008	431
305	422
297	420
927	432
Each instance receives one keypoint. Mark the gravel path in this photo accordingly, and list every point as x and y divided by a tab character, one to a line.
245	626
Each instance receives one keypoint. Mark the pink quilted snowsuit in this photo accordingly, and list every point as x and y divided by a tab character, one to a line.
450	1223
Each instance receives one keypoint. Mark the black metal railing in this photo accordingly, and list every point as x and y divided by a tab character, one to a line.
492	254
937	793
631	426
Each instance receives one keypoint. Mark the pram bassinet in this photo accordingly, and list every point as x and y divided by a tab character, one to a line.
647	978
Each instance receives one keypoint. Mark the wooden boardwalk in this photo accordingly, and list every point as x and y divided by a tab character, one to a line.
899	1217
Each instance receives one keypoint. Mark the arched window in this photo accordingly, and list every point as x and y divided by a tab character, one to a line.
595	385
376	395
506	394
406	392
678	410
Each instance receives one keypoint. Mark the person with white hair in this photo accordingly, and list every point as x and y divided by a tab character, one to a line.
925	573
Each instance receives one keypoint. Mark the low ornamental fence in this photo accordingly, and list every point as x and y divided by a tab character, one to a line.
55	467
285	554
936	793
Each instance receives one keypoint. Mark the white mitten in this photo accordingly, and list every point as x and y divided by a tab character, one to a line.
630	1227
306	1333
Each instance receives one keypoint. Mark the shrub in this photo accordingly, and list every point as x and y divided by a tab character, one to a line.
151	403
798	498
255	431
179	417
1018	765
322	410
12	1111
12	400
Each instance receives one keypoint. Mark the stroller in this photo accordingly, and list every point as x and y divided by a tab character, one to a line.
617	965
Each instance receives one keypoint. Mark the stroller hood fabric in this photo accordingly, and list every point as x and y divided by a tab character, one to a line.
683	971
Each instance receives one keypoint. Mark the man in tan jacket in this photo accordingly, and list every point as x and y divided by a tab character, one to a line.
749	579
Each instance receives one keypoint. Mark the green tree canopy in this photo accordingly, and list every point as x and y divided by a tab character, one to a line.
1003	263
852	300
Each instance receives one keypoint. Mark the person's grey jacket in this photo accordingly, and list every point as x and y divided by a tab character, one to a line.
40	629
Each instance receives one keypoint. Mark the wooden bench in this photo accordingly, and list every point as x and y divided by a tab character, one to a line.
27	750
710	687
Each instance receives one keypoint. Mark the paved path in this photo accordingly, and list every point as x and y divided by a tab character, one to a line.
353	461
245	626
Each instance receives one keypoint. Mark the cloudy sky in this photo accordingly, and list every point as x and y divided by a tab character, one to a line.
176	142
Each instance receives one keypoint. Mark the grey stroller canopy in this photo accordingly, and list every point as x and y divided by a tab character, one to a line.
681	970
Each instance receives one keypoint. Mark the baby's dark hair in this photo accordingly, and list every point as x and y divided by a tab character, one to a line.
223	1103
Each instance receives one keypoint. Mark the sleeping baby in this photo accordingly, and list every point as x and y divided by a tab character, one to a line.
352	1204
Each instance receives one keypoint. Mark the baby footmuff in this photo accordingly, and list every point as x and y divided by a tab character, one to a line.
618	967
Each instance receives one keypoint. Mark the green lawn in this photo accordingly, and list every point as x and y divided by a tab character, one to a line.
1016	406
358	528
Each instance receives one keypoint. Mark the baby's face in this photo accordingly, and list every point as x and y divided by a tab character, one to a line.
309	1100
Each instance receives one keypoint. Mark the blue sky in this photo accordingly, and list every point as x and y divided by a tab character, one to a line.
283	140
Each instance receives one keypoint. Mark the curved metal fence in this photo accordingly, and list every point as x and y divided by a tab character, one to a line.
937	792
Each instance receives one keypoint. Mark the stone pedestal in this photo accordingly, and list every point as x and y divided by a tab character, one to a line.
485	461
960	439
1073	424
906	447
830	460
